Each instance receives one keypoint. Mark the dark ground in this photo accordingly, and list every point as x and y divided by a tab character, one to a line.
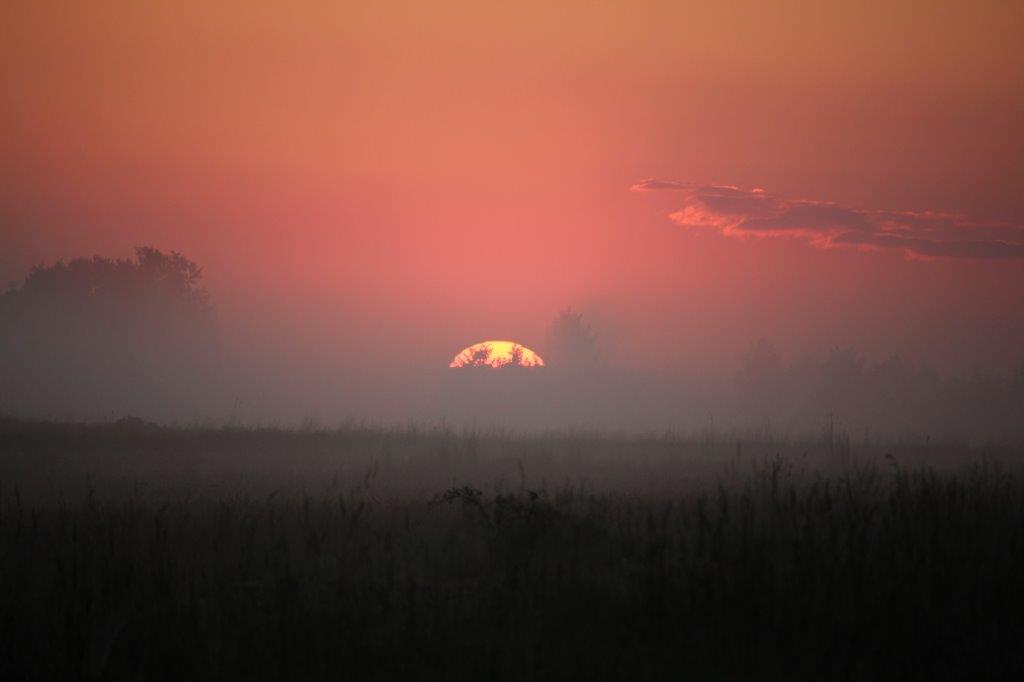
132	552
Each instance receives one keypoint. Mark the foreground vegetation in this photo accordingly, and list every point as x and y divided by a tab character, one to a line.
133	552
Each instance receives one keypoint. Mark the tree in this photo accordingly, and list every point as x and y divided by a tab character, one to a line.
152	277
571	342
130	329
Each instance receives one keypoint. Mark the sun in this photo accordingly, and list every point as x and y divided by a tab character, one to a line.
496	354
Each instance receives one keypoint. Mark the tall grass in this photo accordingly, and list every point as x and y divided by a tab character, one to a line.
426	554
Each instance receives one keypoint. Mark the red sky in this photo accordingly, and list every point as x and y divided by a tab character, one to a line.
413	177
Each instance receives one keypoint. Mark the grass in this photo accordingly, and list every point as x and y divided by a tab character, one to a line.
131	552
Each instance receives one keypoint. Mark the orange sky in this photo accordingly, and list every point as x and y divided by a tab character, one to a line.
363	174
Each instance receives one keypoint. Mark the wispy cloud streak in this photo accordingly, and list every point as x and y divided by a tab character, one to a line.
736	212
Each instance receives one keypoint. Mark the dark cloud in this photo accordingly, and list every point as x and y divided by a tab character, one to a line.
755	213
805	216
930	248
654	185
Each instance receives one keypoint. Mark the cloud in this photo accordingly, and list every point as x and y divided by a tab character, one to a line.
930	248
654	185
735	212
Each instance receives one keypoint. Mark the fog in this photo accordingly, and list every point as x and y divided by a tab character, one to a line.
101	339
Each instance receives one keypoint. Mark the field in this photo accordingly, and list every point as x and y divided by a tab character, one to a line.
134	552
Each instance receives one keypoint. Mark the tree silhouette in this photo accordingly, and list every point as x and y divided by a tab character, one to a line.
479	357
98	327
515	358
152	277
571	342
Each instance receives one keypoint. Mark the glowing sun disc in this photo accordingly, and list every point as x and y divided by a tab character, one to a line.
496	354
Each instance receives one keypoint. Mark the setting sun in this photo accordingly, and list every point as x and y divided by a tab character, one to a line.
496	354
